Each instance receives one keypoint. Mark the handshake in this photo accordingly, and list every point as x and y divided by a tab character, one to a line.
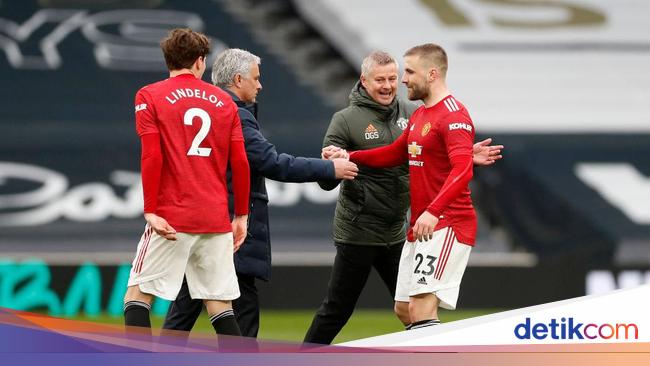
343	168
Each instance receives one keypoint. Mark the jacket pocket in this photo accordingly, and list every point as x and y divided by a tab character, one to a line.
353	200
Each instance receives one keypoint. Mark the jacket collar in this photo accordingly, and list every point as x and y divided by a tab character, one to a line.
251	107
359	97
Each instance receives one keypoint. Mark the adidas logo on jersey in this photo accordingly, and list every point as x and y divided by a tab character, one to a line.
422	281
371	132
451	105
460	125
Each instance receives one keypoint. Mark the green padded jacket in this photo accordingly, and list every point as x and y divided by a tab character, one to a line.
370	209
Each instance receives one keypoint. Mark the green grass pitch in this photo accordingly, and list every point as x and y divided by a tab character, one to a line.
291	325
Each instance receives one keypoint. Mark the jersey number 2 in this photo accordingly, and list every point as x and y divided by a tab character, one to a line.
205	128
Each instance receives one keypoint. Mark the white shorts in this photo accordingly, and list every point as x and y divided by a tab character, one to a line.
433	266
205	259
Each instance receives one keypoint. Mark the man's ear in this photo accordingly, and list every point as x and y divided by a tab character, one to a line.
362	78
197	64
433	74
236	80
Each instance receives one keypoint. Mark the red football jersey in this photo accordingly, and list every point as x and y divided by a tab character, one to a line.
435	135
196	122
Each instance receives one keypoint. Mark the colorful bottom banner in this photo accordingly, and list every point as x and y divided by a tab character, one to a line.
598	329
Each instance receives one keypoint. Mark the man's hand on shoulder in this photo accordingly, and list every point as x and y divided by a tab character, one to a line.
239	230
160	226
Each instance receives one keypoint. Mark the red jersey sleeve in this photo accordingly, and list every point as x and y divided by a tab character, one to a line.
459	177
236	133
386	156
151	163
458	136
151	156
241	181
145	116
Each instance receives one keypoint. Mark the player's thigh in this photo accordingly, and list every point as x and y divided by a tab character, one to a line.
417	268
210	269
451	274
159	264
404	272
439	267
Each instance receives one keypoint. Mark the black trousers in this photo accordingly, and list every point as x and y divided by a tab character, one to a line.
184	311
352	266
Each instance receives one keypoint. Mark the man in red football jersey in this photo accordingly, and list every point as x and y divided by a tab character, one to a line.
190	132
438	147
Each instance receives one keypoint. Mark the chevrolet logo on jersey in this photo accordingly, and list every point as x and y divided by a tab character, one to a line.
414	149
371	132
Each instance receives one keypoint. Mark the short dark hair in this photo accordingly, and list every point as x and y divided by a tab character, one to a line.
432	53
183	46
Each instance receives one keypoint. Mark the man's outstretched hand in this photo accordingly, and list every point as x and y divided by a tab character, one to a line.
344	168
334	152
484	154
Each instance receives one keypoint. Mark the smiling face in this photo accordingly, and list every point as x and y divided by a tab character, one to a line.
381	83
416	77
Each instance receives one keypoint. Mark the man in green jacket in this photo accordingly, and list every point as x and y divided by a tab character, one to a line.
369	221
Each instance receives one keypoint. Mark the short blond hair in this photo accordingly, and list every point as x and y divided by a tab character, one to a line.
432	53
